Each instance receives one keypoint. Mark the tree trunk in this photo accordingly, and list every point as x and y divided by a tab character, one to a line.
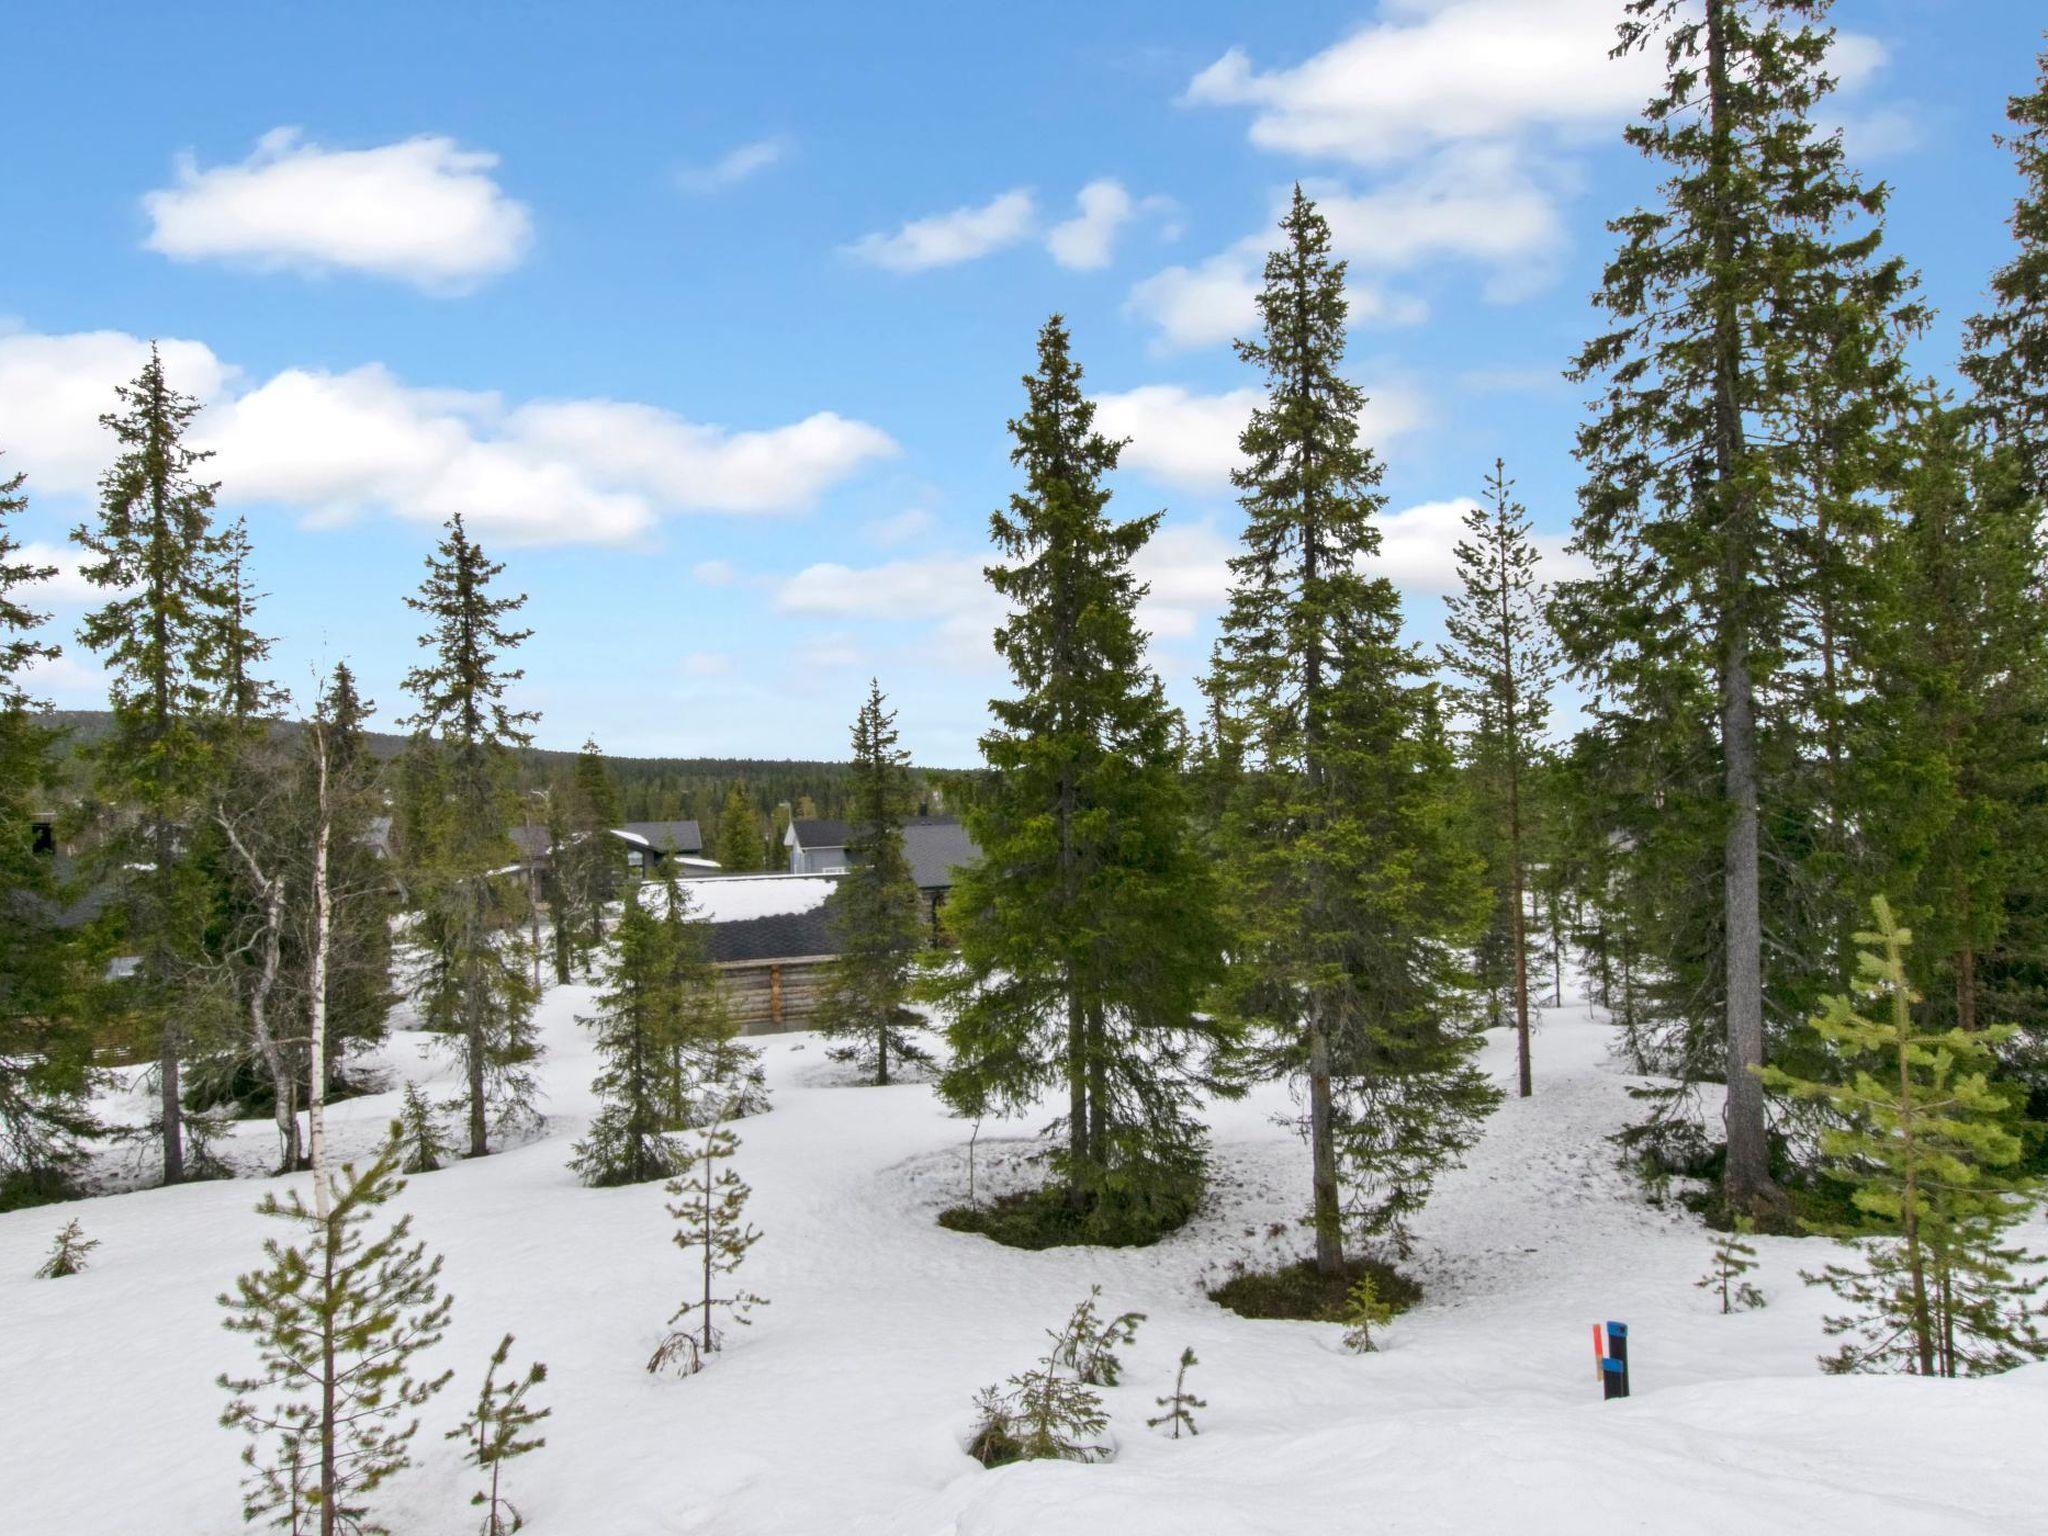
316	984
1322	1131
1077	1100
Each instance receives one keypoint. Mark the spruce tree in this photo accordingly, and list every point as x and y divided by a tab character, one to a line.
1754	317
423	1146
639	1031
46	1049
1181	1403
69	1252
1928	1145
1501	647
874	911
711	1214
1087	932
1351	888
154	550
595	866
1733	1258
470	983
739	845
500	1429
718	1076
2007	354
1364	1311
337	1315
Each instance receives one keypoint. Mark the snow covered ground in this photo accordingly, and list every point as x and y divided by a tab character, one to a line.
843	1410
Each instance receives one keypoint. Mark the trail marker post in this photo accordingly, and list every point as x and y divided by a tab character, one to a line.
1610	1354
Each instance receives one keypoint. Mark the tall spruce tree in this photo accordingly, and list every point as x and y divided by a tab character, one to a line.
596	865
640	1034
874	911
739	844
1350	885
2007	355
1087	932
45	1048
470	981
154	551
1753	314
1501	646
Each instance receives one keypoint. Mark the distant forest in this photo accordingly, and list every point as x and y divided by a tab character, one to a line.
651	788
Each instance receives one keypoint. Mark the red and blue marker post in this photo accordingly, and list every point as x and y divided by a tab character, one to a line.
1610	1358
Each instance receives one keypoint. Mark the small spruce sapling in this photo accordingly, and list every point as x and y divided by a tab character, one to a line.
497	1431
419	1133
1363	1312
1045	1415
711	1210
1733	1258
337	1319
1087	1345
1181	1404
67	1253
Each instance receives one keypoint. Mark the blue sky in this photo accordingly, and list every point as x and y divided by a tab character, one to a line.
710	317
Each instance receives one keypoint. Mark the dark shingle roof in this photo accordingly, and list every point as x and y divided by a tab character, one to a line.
667	836
935	845
812	832
786	936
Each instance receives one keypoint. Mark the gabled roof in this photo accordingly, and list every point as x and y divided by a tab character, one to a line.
936	847
814	832
667	836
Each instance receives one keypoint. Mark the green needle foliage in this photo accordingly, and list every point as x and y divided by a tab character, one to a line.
711	1212
1087	1345
1926	1141
1181	1403
68	1253
1753	366
641	1031
470	981
739	844
874	912
1733	1258
46	1046
1087	932
337	1316
1363	1312
500	1429
420	1137
1353	887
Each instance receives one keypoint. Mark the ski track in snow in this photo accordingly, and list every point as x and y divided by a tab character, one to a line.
842	1411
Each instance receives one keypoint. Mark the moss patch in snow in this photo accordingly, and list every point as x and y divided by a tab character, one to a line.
1298	1292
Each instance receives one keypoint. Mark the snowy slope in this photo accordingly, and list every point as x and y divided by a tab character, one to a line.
843	1409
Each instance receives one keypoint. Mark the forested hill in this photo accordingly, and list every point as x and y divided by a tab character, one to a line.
652	788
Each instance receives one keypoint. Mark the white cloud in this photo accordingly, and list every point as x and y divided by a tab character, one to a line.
54	389
1187	568
713	573
68	587
1202	305
334	446
424	211
930	587
706	664
1418	548
1189	440
1439	71
734	166
1088	240
945	239
900	527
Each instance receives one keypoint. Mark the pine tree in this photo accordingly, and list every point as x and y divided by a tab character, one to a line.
1087	1345
1733	1258
1501	646
640	1033
46	1050
711	1209
2007	354
470	983
1754	318
874	916
155	552
1363	1312
500	1429
420	1139
1351	882
337	1317
1180	1405
68	1251
1926	1142
1087	932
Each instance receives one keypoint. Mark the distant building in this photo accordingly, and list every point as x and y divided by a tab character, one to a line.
649	845
935	846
